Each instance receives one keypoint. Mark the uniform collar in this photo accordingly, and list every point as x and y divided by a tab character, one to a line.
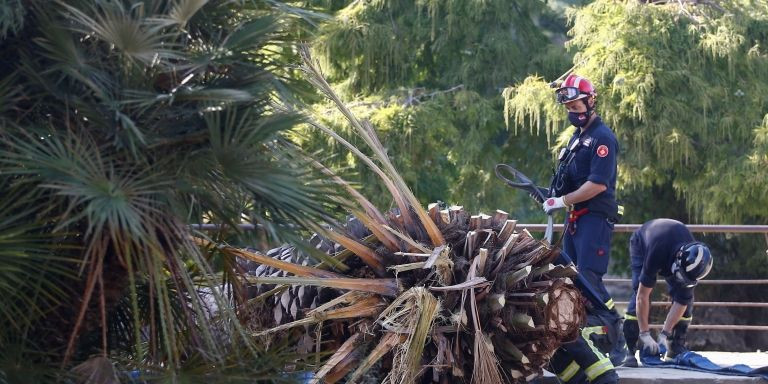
597	121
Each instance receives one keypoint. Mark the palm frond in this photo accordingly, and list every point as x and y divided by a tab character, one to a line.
137	38
122	123
183	11
250	34
34	276
400	191
12	15
24	362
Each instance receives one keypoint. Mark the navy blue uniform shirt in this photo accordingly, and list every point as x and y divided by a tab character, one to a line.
661	239
595	161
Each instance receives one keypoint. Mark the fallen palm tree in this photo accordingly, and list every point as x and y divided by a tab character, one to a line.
433	295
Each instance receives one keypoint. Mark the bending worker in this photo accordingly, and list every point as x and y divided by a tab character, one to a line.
665	247
585	184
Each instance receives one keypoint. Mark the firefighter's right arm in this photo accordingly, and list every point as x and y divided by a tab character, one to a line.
643	301
674	315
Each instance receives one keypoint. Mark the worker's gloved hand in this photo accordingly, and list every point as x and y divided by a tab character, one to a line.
663	342
648	344
553	204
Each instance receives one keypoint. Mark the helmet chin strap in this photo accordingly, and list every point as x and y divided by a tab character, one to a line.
590	110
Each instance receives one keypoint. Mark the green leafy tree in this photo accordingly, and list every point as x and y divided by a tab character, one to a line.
428	75
682	87
121	122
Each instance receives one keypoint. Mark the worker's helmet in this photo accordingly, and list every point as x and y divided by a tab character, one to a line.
692	263
573	88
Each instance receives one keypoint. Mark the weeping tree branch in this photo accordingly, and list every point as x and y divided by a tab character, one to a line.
414	97
709	3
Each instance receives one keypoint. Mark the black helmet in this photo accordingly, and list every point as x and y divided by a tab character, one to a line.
692	262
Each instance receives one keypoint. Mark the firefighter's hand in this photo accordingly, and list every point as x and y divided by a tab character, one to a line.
553	204
663	342
648	344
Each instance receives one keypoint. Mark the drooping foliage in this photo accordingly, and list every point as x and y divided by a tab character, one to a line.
682	86
428	75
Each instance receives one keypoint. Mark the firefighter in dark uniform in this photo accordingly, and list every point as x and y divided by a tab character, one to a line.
585	185
667	248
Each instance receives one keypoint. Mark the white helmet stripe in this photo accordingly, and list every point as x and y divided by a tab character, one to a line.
696	262
576	81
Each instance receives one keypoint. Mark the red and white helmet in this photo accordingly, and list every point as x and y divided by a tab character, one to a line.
573	88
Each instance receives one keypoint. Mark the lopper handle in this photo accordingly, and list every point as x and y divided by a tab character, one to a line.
517	179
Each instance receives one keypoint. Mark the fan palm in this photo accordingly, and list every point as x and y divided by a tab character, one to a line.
120	123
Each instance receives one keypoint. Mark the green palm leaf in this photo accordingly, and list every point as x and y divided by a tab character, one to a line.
126	29
124	122
33	277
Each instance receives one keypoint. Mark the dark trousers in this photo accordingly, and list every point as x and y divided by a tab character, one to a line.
588	243
580	361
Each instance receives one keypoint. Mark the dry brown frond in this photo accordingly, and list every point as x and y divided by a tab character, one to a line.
486	368
365	130
413	313
298	270
371	217
366	254
338	357
387	342
385	287
378	230
368	307
408	240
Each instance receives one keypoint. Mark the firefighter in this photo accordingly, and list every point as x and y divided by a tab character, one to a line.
667	248
585	184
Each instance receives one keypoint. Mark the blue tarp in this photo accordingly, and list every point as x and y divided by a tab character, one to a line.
694	362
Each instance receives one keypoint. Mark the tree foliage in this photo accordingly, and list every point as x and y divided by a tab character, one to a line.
122	122
428	75
682	87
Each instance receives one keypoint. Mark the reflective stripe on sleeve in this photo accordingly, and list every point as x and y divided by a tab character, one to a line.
569	371
597	369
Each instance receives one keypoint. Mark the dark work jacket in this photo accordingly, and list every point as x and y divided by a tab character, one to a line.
595	161
661	239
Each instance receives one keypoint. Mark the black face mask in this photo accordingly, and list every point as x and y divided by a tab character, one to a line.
578	119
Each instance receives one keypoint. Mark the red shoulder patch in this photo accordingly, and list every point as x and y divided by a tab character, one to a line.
602	151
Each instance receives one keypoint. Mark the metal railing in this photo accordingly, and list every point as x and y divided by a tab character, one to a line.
718	327
699	228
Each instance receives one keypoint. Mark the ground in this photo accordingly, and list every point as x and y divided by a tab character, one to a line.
680	376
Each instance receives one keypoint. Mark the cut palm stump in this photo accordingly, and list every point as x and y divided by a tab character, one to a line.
485	306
